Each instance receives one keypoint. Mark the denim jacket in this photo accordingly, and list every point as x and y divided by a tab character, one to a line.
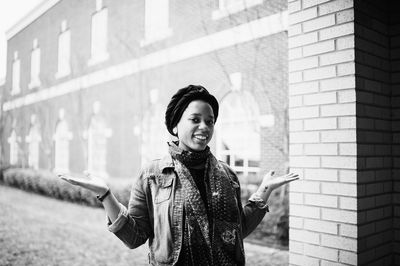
155	212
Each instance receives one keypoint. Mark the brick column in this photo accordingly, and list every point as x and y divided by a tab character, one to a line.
323	147
344	132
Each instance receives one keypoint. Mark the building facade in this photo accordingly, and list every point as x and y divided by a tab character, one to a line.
88	82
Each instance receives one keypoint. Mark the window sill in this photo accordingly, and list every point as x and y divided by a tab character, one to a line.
223	12
155	37
15	91
94	60
34	84
60	75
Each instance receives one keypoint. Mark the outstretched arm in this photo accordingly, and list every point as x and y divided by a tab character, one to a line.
98	186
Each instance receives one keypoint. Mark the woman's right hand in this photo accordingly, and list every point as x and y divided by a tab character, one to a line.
92	183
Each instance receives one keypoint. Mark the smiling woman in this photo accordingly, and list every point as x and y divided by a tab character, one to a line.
188	203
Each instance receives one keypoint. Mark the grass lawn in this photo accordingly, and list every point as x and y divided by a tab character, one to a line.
37	230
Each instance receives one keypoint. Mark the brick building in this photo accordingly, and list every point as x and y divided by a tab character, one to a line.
343	104
88	81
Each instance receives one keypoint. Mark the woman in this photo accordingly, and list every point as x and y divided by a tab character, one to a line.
188	203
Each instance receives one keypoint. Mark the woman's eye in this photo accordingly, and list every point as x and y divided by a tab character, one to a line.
195	120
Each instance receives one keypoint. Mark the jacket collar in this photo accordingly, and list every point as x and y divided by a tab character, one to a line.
166	162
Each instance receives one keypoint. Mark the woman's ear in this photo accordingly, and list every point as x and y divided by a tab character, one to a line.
175	131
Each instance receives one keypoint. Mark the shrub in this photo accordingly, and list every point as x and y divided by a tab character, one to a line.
48	184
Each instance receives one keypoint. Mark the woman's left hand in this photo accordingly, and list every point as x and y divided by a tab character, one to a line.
269	183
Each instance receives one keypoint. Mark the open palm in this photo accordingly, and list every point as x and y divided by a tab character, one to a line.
92	183
270	183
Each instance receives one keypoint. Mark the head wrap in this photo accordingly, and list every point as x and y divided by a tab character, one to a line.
181	99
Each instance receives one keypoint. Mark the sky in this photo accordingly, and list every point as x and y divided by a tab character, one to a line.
10	13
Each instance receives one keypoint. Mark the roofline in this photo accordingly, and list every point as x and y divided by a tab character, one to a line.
35	13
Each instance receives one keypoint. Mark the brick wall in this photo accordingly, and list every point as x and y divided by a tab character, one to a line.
323	147
374	136
394	32
343	114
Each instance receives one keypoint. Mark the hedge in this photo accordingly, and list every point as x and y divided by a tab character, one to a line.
49	184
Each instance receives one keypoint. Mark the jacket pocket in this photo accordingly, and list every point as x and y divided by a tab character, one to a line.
164	191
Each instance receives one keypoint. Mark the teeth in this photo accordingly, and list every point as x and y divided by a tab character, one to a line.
200	137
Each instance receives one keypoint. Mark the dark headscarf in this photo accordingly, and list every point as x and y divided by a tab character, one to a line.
181	100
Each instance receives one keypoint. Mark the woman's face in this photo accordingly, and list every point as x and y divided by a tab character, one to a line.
196	126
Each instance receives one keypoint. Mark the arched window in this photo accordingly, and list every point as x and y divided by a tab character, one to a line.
33	139
97	135
13	142
238	135
61	138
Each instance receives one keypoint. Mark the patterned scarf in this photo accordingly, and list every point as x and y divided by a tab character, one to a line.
222	244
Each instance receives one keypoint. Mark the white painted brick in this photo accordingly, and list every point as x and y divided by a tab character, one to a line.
329	263
295	125
305	161
339	216
347	96
345	16
348	257
334	6
296	222
348	203
305	236
295	101
295	246
303	15
319	73
338	83
303	112
295	77
348	176
296	198
304	211
319	23
296	149
295	53
345	42
337	31
320	123
294	6
310	3
301	260
321	174
347	122
321	252
320	98
303	88
348	230
305	186
336	57
303	39
338	109
320	226
339	242
321	200
342	189
344	162
346	69
303	63
341	135
295	30
320	149
348	149
304	137
319	48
